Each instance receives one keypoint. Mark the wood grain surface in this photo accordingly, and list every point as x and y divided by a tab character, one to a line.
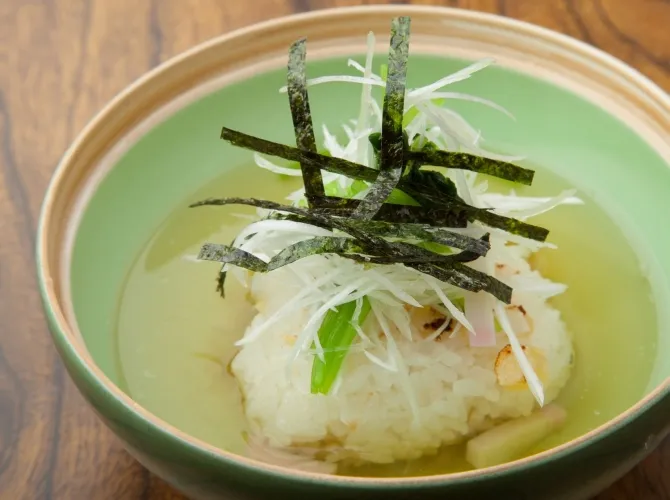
60	62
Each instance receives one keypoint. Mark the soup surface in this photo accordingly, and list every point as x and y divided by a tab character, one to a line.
175	335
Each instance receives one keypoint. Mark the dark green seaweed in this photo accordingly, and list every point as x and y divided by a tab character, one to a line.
511	225
439	216
319	219
408	231
314	246
467	278
424	186
229	255
482	215
404	216
329	163
479	164
445	268
302	116
392	153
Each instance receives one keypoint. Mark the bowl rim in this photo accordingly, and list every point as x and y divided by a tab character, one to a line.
68	344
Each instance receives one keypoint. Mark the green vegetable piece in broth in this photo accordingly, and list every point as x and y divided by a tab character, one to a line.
336	334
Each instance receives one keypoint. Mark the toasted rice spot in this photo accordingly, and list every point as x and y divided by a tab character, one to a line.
426	320
507	369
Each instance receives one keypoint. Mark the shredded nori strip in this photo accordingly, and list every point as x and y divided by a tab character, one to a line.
302	116
408	231
230	255
392	153
445	268
467	278
479	164
314	246
482	215
424	232
317	218
329	163
375	230
403	253
412	186
439	216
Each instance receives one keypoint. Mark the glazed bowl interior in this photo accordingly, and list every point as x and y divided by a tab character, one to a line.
159	144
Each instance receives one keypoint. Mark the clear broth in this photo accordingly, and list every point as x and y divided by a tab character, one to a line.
175	335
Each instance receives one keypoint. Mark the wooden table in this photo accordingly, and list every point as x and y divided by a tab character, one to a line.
60	62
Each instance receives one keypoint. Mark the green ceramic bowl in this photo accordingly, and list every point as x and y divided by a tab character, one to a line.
580	112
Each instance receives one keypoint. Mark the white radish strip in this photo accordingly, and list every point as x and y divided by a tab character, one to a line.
453	310
444	127
244	216
296	195
347	130
479	310
352	348
287	226
390	342
463	74
534	383
362	292
362	144
520	240
543	289
354	64
377	111
439	331
491	155
517	320
352	149
268	165
241	275
331	143
254	333
364	338
456	330
337	384
462	186
359	67
546	205
460	125
400	318
510	203
383	297
316	318
318	349
394	354
339	78
390	365
386	365
191	258
357	311
393	288
464	97
477	138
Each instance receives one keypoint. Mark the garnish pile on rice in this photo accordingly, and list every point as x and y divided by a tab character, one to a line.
396	308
